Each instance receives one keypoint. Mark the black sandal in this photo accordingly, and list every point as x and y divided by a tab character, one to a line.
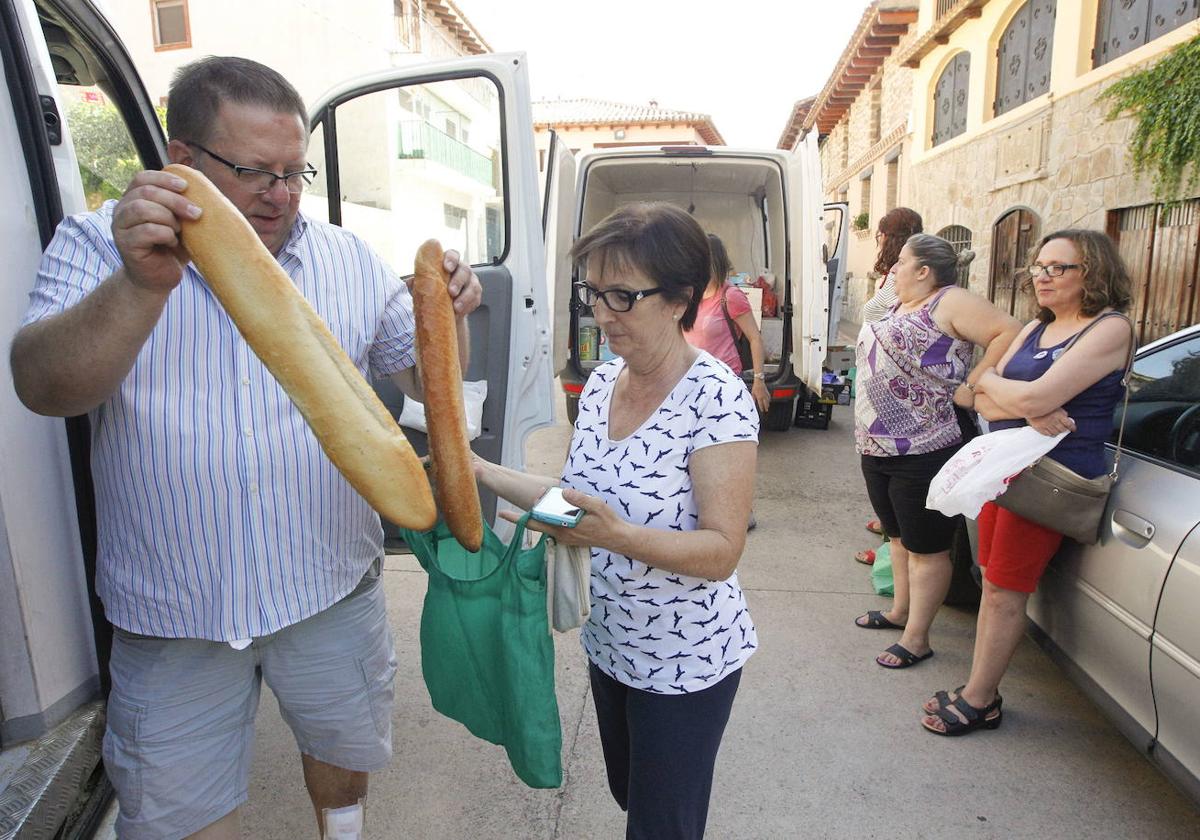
973	718
907	657
941	700
876	620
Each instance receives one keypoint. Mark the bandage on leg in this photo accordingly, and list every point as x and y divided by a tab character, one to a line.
343	823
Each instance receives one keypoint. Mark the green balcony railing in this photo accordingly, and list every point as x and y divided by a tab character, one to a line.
421	141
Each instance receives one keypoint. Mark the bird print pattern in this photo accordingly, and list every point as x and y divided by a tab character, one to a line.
651	629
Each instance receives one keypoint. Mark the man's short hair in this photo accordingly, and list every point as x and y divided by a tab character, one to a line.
199	88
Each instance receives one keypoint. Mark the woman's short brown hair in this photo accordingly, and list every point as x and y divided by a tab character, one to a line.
897	225
1106	281
658	239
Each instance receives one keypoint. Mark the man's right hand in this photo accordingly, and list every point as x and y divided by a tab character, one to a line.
146	225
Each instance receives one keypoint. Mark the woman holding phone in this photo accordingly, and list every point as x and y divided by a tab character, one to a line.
662	464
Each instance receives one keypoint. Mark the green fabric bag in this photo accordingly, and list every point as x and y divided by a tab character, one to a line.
881	570
486	651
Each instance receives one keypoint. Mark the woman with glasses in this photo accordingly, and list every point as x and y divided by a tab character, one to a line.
1081	285
914	368
725	308
896	226
662	461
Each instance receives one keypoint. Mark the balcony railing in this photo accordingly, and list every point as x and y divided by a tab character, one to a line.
944	6
421	141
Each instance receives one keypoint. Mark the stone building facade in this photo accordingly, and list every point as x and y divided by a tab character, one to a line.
1006	140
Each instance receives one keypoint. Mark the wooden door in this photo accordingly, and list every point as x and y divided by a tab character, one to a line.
1161	250
1012	238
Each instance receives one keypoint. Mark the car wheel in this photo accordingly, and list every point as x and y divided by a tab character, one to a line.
965	582
572	408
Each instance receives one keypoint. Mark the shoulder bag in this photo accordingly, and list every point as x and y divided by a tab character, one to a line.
740	341
1057	497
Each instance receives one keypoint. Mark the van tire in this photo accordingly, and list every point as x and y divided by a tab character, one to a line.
572	408
779	416
965	582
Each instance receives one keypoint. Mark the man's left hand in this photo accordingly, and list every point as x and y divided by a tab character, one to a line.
465	289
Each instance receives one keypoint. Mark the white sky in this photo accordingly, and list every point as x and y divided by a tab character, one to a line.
743	62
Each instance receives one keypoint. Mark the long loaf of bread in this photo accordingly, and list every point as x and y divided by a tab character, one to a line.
441	381
352	425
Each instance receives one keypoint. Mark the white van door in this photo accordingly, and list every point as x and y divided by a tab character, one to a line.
806	268
558	224
445	150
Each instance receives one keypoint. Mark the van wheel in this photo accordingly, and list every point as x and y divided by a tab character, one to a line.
779	416
965	586
572	408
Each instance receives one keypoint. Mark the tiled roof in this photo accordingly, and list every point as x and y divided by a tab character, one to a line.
563	112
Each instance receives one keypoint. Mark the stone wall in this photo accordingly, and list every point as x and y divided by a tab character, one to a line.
1064	161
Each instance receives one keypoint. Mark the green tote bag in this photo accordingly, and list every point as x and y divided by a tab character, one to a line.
486	651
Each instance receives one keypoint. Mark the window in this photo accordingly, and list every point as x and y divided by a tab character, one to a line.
402	179
950	99
959	237
892	196
1164	390
171	30
1124	25
864	199
1023	59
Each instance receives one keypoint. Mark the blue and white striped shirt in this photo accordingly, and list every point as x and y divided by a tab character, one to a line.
219	515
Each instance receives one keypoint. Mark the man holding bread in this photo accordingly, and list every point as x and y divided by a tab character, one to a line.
230	549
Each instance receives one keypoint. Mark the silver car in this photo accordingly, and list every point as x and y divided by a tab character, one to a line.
1121	616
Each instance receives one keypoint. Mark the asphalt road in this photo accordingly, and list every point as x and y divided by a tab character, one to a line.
822	743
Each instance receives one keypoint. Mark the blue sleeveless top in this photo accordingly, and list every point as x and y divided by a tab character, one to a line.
1092	410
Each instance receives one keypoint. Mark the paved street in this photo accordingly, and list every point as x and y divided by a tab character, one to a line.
823	743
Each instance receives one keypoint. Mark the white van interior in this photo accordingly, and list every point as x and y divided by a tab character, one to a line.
739	200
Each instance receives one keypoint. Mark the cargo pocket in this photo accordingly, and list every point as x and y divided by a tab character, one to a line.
379	674
122	754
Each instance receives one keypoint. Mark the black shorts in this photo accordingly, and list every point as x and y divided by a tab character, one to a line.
897	487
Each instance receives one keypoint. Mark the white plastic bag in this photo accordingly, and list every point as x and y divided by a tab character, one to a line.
981	470
412	415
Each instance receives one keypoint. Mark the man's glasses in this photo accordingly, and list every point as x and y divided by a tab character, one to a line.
1053	270
260	180
617	300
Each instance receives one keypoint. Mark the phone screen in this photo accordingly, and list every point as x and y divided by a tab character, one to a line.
552	504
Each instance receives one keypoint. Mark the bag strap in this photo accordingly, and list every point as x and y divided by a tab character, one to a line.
1114	474
729	322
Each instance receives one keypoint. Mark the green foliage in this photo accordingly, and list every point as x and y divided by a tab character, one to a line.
862	221
1164	102
107	158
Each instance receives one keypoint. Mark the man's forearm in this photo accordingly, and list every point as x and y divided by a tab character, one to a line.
70	363
464	344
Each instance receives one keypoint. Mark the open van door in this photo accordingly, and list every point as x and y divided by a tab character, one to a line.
806	268
558	217
835	223
445	150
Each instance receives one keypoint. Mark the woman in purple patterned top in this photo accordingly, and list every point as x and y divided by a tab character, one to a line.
914	367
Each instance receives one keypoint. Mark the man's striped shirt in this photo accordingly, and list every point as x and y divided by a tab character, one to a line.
219	515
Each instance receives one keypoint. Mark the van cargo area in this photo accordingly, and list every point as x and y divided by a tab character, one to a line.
739	200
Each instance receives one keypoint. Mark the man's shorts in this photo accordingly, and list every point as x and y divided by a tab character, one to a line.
181	712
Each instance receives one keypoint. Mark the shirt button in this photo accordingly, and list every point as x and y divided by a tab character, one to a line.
253	487
249	432
246	381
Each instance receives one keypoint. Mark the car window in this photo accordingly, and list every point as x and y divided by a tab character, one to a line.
1164	404
422	161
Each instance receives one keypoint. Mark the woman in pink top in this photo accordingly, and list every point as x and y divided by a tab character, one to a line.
713	331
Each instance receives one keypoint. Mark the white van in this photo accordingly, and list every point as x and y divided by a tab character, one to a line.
75	125
765	206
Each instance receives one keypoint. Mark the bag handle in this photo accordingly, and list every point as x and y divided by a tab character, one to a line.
1114	474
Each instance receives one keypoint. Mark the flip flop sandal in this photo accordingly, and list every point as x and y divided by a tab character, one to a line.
875	527
866	557
907	657
972	718
942	699
876	620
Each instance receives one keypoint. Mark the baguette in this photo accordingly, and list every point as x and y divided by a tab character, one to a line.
352	425
445	415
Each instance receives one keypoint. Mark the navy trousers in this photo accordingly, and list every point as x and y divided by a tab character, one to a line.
660	751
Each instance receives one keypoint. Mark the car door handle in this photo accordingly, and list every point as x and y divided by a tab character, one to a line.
1134	524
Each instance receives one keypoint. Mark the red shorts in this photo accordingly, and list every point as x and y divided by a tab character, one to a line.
1013	551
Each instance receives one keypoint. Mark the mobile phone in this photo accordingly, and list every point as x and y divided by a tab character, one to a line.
553	509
